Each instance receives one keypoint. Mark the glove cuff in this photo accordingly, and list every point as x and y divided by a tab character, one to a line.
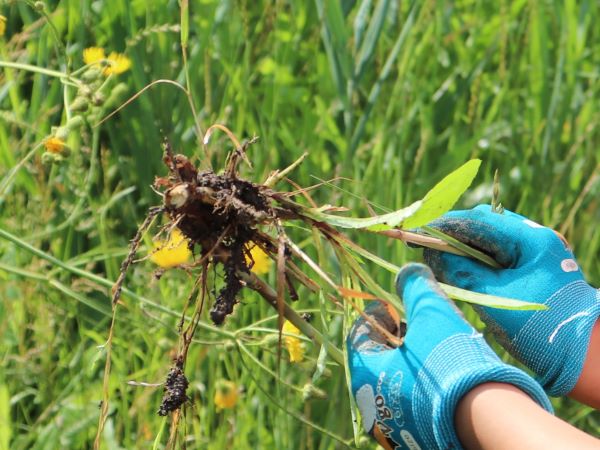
440	386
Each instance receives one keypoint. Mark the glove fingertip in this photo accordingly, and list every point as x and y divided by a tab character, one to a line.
415	281
364	337
410	273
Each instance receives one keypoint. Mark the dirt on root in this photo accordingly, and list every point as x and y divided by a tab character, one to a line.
220	213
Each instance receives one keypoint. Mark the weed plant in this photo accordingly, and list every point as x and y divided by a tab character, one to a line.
386	97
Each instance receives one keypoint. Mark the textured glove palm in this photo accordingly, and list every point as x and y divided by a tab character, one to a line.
541	268
407	395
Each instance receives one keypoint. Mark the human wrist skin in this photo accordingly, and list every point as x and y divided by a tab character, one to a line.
488	411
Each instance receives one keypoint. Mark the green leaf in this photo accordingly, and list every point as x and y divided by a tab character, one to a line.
444	195
376	223
360	22
367	49
453	292
488	300
185	22
5	425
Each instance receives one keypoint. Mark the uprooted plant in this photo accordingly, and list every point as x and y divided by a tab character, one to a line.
223	215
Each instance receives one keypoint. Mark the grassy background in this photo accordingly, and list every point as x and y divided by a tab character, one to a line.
391	95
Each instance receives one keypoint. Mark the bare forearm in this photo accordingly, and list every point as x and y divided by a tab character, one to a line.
500	416
586	390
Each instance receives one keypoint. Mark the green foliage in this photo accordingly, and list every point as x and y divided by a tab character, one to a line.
436	202
444	195
391	94
376	223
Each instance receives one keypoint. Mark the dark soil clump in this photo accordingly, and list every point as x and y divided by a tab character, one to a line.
175	390
220	213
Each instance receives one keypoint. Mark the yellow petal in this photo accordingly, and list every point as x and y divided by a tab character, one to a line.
2	25
54	144
172	253
226	394
93	55
261	263
118	63
294	345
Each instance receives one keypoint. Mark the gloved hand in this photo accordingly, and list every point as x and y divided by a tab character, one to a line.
407	396
541	268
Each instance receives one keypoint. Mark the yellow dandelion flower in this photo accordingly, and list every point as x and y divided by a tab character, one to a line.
54	145
172	253
262	262
294	345
226	394
2	25
118	63
93	55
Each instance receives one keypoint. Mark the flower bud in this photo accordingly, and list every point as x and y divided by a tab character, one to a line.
92	74
74	123
62	133
80	104
98	99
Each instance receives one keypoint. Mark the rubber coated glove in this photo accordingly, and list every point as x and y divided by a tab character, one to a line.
541	268
407	396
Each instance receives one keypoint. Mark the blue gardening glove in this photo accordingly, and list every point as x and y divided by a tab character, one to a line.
407	395
541	268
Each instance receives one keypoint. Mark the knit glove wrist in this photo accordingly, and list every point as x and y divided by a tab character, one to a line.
407	396
539	267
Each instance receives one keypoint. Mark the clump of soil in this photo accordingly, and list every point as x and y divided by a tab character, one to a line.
220	213
176	386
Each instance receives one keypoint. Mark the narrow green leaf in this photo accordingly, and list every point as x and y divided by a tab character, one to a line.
360	22
367	49
332	56
336	23
472	252
451	291
322	359
185	22
377	223
489	300
444	195
5	427
385	73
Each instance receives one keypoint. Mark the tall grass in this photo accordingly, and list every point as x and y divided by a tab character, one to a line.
392	95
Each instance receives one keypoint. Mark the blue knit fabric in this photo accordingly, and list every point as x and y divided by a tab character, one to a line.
541	268
408	395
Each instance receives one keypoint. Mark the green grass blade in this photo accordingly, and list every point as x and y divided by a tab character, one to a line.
472	252
384	74
376	223
367	48
335	67
5	421
489	300
361	22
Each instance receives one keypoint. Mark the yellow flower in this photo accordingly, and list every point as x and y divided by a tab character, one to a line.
262	262
116	62
93	55
172	253
54	145
2	25
119	63
226	394
293	344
